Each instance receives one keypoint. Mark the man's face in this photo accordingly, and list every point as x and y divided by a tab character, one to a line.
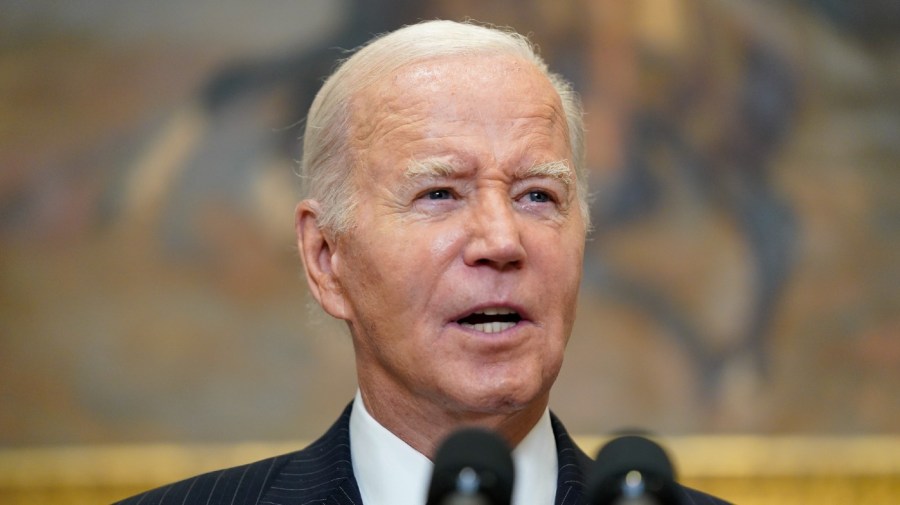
460	276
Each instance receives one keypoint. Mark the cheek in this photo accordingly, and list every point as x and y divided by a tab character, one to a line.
562	276
402	266
562	254
443	245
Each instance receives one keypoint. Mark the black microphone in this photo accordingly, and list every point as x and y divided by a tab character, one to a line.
632	470
473	466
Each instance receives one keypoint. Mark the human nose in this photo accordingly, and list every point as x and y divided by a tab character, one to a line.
495	235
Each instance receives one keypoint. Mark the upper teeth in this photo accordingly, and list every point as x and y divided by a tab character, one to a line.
496	311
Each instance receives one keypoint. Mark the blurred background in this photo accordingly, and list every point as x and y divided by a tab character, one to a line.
742	278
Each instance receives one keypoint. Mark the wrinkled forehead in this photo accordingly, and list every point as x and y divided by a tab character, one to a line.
442	73
454	84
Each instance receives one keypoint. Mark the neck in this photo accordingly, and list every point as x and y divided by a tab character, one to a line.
424	424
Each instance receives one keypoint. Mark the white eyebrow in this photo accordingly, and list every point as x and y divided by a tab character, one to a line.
430	167
558	170
437	167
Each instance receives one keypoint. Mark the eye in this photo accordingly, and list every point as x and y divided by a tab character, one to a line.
540	200
437	201
438	194
537	196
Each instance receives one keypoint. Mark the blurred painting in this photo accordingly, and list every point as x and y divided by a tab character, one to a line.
742	274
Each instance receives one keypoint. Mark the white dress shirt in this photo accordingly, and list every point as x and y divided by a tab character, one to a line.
390	472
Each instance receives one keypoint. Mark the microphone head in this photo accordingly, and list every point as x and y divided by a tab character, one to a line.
632	467
473	461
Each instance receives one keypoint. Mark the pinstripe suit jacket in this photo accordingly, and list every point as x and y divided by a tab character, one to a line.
322	474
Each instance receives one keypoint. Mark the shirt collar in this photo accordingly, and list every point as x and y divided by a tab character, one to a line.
537	466
389	471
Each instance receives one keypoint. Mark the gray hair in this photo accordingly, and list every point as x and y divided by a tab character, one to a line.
327	159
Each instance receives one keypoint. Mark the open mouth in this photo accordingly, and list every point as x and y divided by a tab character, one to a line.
490	320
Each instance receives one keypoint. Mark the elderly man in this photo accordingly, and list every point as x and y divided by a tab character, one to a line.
445	223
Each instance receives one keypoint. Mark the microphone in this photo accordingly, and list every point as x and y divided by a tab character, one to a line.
473	466
632	470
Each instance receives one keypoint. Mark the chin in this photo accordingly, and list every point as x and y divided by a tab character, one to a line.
502	400
498	389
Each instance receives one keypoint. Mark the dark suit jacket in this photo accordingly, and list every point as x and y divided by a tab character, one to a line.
322	474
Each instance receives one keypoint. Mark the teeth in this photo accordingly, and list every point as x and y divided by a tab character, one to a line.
496	311
495	327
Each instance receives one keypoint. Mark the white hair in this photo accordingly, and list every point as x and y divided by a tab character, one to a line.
327	158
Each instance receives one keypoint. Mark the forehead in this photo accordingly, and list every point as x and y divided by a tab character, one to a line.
450	73
459	98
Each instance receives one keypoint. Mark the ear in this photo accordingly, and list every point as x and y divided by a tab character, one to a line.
318	251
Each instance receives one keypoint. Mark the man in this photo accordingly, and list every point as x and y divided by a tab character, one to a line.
445	222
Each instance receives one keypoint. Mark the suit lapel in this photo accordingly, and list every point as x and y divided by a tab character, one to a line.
572	465
321	473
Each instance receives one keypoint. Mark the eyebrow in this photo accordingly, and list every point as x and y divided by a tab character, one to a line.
558	170
436	167
431	167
